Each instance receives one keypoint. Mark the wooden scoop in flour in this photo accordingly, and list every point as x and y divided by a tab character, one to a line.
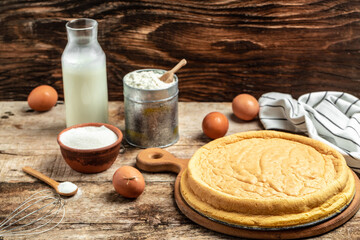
169	75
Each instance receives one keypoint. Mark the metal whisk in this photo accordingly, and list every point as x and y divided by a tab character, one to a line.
37	214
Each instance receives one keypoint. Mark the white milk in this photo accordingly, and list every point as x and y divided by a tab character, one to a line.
85	93
84	74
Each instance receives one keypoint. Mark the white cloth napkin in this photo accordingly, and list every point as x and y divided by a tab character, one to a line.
330	117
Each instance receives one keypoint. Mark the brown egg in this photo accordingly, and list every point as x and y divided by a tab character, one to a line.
42	98
245	107
128	182
215	125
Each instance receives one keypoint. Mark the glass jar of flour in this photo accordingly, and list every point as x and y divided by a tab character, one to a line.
151	109
84	74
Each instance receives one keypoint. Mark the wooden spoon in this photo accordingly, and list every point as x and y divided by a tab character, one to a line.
169	75
49	181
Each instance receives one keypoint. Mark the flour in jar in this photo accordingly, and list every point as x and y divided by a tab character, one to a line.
149	80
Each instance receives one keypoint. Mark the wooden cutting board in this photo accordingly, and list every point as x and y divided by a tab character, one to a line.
159	160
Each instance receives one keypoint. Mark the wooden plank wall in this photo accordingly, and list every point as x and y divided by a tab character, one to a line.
252	46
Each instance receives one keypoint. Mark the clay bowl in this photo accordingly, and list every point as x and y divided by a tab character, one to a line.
91	160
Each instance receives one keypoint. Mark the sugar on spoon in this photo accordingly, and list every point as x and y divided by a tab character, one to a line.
65	188
169	75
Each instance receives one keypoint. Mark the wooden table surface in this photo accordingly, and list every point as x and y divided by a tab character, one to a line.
28	138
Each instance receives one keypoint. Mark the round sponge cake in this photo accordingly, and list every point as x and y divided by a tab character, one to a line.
267	179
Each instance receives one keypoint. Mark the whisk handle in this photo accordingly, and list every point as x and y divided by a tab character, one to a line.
41	176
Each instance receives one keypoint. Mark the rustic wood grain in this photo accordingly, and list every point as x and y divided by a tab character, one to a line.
97	212
231	46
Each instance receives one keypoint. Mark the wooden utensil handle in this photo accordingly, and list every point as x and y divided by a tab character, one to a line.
40	176
178	66
160	160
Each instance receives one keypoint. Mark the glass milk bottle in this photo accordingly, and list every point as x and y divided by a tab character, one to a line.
84	74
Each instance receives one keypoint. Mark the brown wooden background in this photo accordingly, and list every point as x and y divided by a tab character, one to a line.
252	46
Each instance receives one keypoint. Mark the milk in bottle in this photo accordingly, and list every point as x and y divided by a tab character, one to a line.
84	74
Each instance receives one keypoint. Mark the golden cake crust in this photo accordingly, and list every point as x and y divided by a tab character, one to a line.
267	179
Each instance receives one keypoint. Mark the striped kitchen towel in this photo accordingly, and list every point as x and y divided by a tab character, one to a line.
330	117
